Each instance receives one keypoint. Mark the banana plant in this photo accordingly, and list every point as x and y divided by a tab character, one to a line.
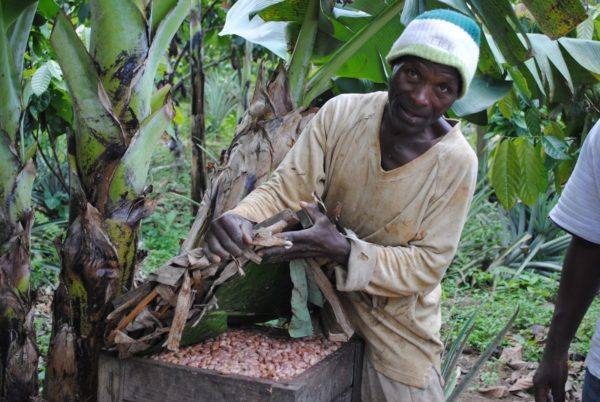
18	350
328	39
118	118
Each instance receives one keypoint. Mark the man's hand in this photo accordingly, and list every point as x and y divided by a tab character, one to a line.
550	378
227	236
321	240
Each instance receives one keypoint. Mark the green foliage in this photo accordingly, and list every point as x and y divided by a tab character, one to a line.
532	172
162	232
348	43
45	261
483	279
453	393
504	174
557	17
221	95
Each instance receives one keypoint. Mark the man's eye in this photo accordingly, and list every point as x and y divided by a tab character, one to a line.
444	88
412	73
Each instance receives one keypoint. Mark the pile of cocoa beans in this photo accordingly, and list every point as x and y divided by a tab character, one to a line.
254	354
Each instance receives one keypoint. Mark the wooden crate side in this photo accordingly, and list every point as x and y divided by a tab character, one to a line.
110	375
151	381
141	379
359	356
329	379
346	396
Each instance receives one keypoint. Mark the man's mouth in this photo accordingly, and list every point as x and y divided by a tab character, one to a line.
409	115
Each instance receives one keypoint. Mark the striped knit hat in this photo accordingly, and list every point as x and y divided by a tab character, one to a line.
444	37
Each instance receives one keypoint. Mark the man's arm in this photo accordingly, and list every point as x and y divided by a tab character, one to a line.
300	174
579	284
418	267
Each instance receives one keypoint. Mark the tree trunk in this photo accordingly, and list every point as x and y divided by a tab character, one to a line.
118	122
199	174
266	133
18	351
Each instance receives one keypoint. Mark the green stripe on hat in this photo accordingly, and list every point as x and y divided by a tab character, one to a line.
461	20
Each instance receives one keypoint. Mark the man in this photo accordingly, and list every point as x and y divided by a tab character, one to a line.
404	177
577	212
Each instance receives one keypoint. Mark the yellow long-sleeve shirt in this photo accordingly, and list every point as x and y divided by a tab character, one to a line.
404	225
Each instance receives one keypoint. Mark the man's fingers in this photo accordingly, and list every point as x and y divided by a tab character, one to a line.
227	242
272	251
280	257
216	248
313	211
233	230
247	237
215	259
277	251
296	236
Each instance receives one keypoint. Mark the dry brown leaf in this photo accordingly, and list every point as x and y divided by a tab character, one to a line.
518	364
512	354
498	391
523	384
539	332
167	294
197	261
184	302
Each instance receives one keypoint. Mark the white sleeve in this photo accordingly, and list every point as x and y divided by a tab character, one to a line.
578	209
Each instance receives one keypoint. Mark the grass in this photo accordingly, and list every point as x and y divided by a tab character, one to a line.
470	286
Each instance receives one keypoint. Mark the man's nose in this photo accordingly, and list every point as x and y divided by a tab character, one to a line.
420	96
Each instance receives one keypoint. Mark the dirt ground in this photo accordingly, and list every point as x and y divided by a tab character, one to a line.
513	379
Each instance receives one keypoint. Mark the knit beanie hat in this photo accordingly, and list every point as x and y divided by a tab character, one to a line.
442	36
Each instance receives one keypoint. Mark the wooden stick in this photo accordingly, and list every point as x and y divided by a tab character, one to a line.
184	302
319	277
134	296
137	310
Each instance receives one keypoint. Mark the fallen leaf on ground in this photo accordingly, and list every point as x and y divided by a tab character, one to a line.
511	354
522	384
498	391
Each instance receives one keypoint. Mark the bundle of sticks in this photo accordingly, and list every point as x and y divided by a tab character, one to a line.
182	292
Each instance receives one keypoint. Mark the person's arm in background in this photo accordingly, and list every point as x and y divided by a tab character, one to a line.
577	212
579	283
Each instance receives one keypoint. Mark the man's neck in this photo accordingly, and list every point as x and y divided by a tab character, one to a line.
399	145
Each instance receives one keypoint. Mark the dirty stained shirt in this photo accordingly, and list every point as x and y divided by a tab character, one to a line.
403	224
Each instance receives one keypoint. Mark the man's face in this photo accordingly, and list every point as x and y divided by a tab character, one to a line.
420	92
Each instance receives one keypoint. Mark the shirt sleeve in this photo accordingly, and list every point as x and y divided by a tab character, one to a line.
578	209
301	173
419	266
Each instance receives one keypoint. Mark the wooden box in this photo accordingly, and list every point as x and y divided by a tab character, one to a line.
335	378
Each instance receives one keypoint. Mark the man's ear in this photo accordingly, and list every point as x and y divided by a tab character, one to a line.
459	80
396	66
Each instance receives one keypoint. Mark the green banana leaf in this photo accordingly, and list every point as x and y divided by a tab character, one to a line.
129	179
556	18
483	92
